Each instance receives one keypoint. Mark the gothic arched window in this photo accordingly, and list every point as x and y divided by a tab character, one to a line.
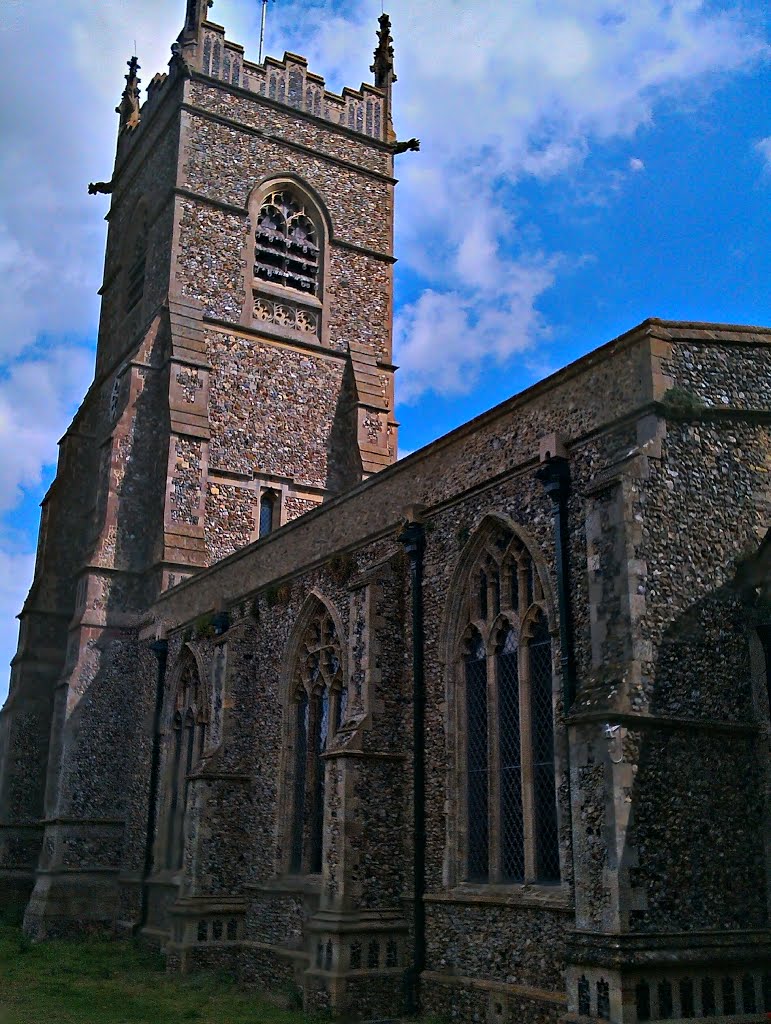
318	710
187	739
287	242
286	250
506	735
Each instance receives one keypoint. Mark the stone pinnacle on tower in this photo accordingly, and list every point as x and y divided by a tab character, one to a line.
383	67
128	108
195	14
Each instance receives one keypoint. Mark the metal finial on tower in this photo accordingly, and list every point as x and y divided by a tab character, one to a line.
262	28
128	108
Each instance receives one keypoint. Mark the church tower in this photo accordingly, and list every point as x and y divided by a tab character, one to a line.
243	375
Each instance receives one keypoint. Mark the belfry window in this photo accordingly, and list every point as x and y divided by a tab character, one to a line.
318	710
187	739
137	264
506	735
286	250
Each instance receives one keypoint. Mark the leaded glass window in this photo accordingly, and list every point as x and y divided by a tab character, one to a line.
508	783
186	746
319	709
286	250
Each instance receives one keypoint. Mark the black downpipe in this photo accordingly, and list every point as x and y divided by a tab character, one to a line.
413	538
555	477
160	649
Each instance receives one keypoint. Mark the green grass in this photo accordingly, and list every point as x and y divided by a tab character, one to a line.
115	982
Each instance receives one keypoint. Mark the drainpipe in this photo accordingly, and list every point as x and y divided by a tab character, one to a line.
554	474
413	538
160	649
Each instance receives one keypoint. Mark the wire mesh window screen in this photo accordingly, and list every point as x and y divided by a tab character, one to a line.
542	719
512	822
301	757
508	749
478	766
321	720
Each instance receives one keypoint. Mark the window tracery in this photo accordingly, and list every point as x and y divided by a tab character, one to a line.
320	700
187	740
506	735
286	250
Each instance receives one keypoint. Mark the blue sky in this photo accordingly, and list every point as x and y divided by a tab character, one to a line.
584	165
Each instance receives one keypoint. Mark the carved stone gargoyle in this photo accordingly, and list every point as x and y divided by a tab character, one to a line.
411	145
105	187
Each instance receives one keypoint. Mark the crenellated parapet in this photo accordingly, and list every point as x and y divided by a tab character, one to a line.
289	82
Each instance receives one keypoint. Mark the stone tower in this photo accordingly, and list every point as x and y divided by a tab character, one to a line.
243	375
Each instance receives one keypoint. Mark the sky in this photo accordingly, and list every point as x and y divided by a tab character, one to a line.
585	164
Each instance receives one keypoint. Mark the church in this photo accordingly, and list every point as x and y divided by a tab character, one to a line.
481	734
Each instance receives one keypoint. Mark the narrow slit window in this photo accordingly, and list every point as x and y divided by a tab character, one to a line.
267	514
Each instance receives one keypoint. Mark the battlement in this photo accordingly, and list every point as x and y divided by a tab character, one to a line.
289	82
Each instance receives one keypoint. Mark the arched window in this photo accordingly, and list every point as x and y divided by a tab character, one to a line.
506	749
267	513
286	250
318	711
187	739
287	281
137	261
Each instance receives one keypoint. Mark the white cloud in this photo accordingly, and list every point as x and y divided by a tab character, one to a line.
764	148
37	397
498	94
16	570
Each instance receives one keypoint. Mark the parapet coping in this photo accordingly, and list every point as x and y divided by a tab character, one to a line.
651	328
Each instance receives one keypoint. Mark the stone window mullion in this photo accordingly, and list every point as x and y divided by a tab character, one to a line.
525	732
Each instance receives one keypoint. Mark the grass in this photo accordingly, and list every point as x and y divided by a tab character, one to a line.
115	982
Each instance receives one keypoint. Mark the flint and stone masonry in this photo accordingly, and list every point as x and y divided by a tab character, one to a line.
484	732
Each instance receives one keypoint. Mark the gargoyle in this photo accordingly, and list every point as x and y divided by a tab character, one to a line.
178	61
412	145
105	187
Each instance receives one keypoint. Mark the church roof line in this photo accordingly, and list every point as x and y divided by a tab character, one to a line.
641	391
